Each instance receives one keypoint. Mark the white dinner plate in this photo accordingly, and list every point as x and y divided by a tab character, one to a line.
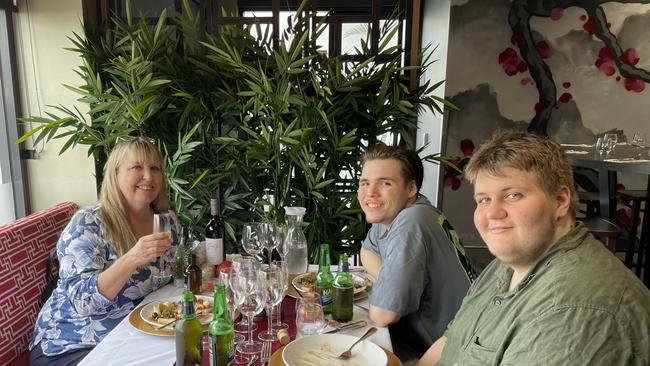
360	283
204	316
323	350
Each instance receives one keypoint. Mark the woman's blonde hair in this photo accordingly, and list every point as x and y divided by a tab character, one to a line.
112	202
530	153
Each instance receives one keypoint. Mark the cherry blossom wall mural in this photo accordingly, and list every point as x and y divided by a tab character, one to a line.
567	69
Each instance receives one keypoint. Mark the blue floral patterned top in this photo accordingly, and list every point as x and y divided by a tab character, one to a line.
77	315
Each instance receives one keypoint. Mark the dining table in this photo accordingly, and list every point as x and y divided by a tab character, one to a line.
131	343
625	157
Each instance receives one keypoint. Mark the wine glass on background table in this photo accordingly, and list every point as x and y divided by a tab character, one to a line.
225	277
609	142
250	297
162	223
272	282
252	238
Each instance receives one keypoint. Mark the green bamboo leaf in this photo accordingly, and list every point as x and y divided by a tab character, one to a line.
324	184
199	178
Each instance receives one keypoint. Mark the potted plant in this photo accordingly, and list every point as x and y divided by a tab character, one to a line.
261	127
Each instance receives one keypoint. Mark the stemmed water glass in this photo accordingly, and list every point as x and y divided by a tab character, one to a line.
250	297
272	282
252	238
282	266
225	277
241	264
163	222
270	236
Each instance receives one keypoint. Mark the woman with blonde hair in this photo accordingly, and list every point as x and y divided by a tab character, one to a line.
108	257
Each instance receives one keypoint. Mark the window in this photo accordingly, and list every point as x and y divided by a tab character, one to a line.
12	191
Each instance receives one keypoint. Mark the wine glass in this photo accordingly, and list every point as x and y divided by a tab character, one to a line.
241	264
163	223
272	281
251	238
250	297
270	237
609	141
281	246
282	265
309	315
638	139
225	277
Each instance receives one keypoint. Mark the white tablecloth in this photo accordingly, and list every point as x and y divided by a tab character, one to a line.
125	345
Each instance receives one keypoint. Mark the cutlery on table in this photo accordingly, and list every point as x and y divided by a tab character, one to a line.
252	360
166	325
353	325
347	354
266	353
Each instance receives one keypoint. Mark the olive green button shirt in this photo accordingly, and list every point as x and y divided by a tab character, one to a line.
579	305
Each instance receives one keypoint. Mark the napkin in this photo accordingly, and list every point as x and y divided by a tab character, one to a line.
576	152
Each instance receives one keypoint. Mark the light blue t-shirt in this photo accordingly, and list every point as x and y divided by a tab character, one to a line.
421	277
76	315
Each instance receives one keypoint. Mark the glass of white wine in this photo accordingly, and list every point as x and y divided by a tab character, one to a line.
162	223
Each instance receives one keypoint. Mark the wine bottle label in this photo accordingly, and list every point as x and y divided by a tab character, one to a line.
214	250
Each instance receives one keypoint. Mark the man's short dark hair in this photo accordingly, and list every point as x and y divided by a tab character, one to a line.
412	168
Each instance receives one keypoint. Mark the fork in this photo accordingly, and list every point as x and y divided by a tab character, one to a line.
266	353
347	354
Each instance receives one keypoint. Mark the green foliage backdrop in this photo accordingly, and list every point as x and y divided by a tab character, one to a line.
238	118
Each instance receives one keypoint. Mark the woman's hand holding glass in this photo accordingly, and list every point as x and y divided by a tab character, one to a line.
163	223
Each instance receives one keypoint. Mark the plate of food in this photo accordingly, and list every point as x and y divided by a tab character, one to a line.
323	350
305	283
165	311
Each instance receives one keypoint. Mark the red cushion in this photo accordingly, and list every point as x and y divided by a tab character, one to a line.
24	246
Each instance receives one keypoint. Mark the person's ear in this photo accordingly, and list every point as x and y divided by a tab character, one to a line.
412	188
562	202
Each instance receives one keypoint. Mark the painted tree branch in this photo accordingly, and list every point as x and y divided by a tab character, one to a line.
519	21
611	42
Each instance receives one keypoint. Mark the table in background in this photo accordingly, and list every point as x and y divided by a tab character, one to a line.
125	345
607	170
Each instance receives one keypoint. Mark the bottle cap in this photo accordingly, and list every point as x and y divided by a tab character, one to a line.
283	336
295	211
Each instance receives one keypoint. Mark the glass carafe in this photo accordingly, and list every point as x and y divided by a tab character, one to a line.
296	243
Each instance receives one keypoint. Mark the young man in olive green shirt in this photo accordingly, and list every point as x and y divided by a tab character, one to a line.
554	295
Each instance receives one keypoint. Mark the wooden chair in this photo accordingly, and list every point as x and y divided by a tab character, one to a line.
638	201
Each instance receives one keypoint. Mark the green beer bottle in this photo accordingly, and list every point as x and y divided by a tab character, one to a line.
220	332
324	279
343	292
189	334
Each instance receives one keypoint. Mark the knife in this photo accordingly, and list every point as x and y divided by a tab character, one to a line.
353	325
